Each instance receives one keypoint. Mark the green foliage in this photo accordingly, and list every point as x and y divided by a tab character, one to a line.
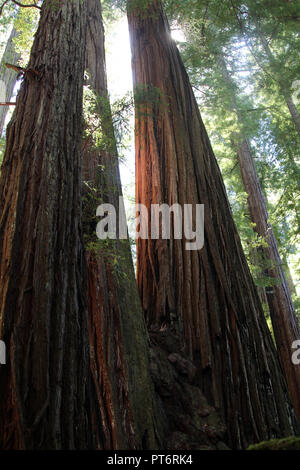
113	8
288	443
91	199
114	253
26	23
7	18
139	6
108	124
148	99
241	90
97	111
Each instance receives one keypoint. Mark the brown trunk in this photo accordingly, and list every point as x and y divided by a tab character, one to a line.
293	111
8	77
278	296
44	387
118	338
209	292
284	321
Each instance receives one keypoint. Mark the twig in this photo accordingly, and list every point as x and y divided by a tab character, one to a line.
2	6
31	5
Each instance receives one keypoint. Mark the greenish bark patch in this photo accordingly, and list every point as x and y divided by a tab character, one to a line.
288	443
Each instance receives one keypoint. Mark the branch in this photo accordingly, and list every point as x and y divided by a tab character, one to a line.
8	104
250	47
29	72
2	6
31	5
16	68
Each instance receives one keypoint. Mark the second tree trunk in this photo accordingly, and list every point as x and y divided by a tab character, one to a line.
208	295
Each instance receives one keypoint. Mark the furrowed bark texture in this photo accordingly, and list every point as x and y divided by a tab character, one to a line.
8	77
209	292
43	312
285	324
118	336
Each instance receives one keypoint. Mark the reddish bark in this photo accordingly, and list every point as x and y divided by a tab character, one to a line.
45	386
118	339
209	295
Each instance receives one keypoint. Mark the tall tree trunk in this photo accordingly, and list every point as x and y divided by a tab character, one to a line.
209	292
44	388
118	337
293	110
285	325
8	77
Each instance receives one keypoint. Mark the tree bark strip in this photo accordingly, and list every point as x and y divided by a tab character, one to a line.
118	337
45	386
209	295
285	324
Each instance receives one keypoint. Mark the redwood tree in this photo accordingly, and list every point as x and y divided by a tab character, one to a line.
285	325
45	386
118	339
209	295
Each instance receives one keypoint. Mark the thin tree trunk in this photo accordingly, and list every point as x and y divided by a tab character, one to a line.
45	386
293	110
285	325
210	293
8	77
118	337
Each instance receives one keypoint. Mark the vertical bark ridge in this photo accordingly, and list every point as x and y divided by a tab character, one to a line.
208	295
43	313
118	337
